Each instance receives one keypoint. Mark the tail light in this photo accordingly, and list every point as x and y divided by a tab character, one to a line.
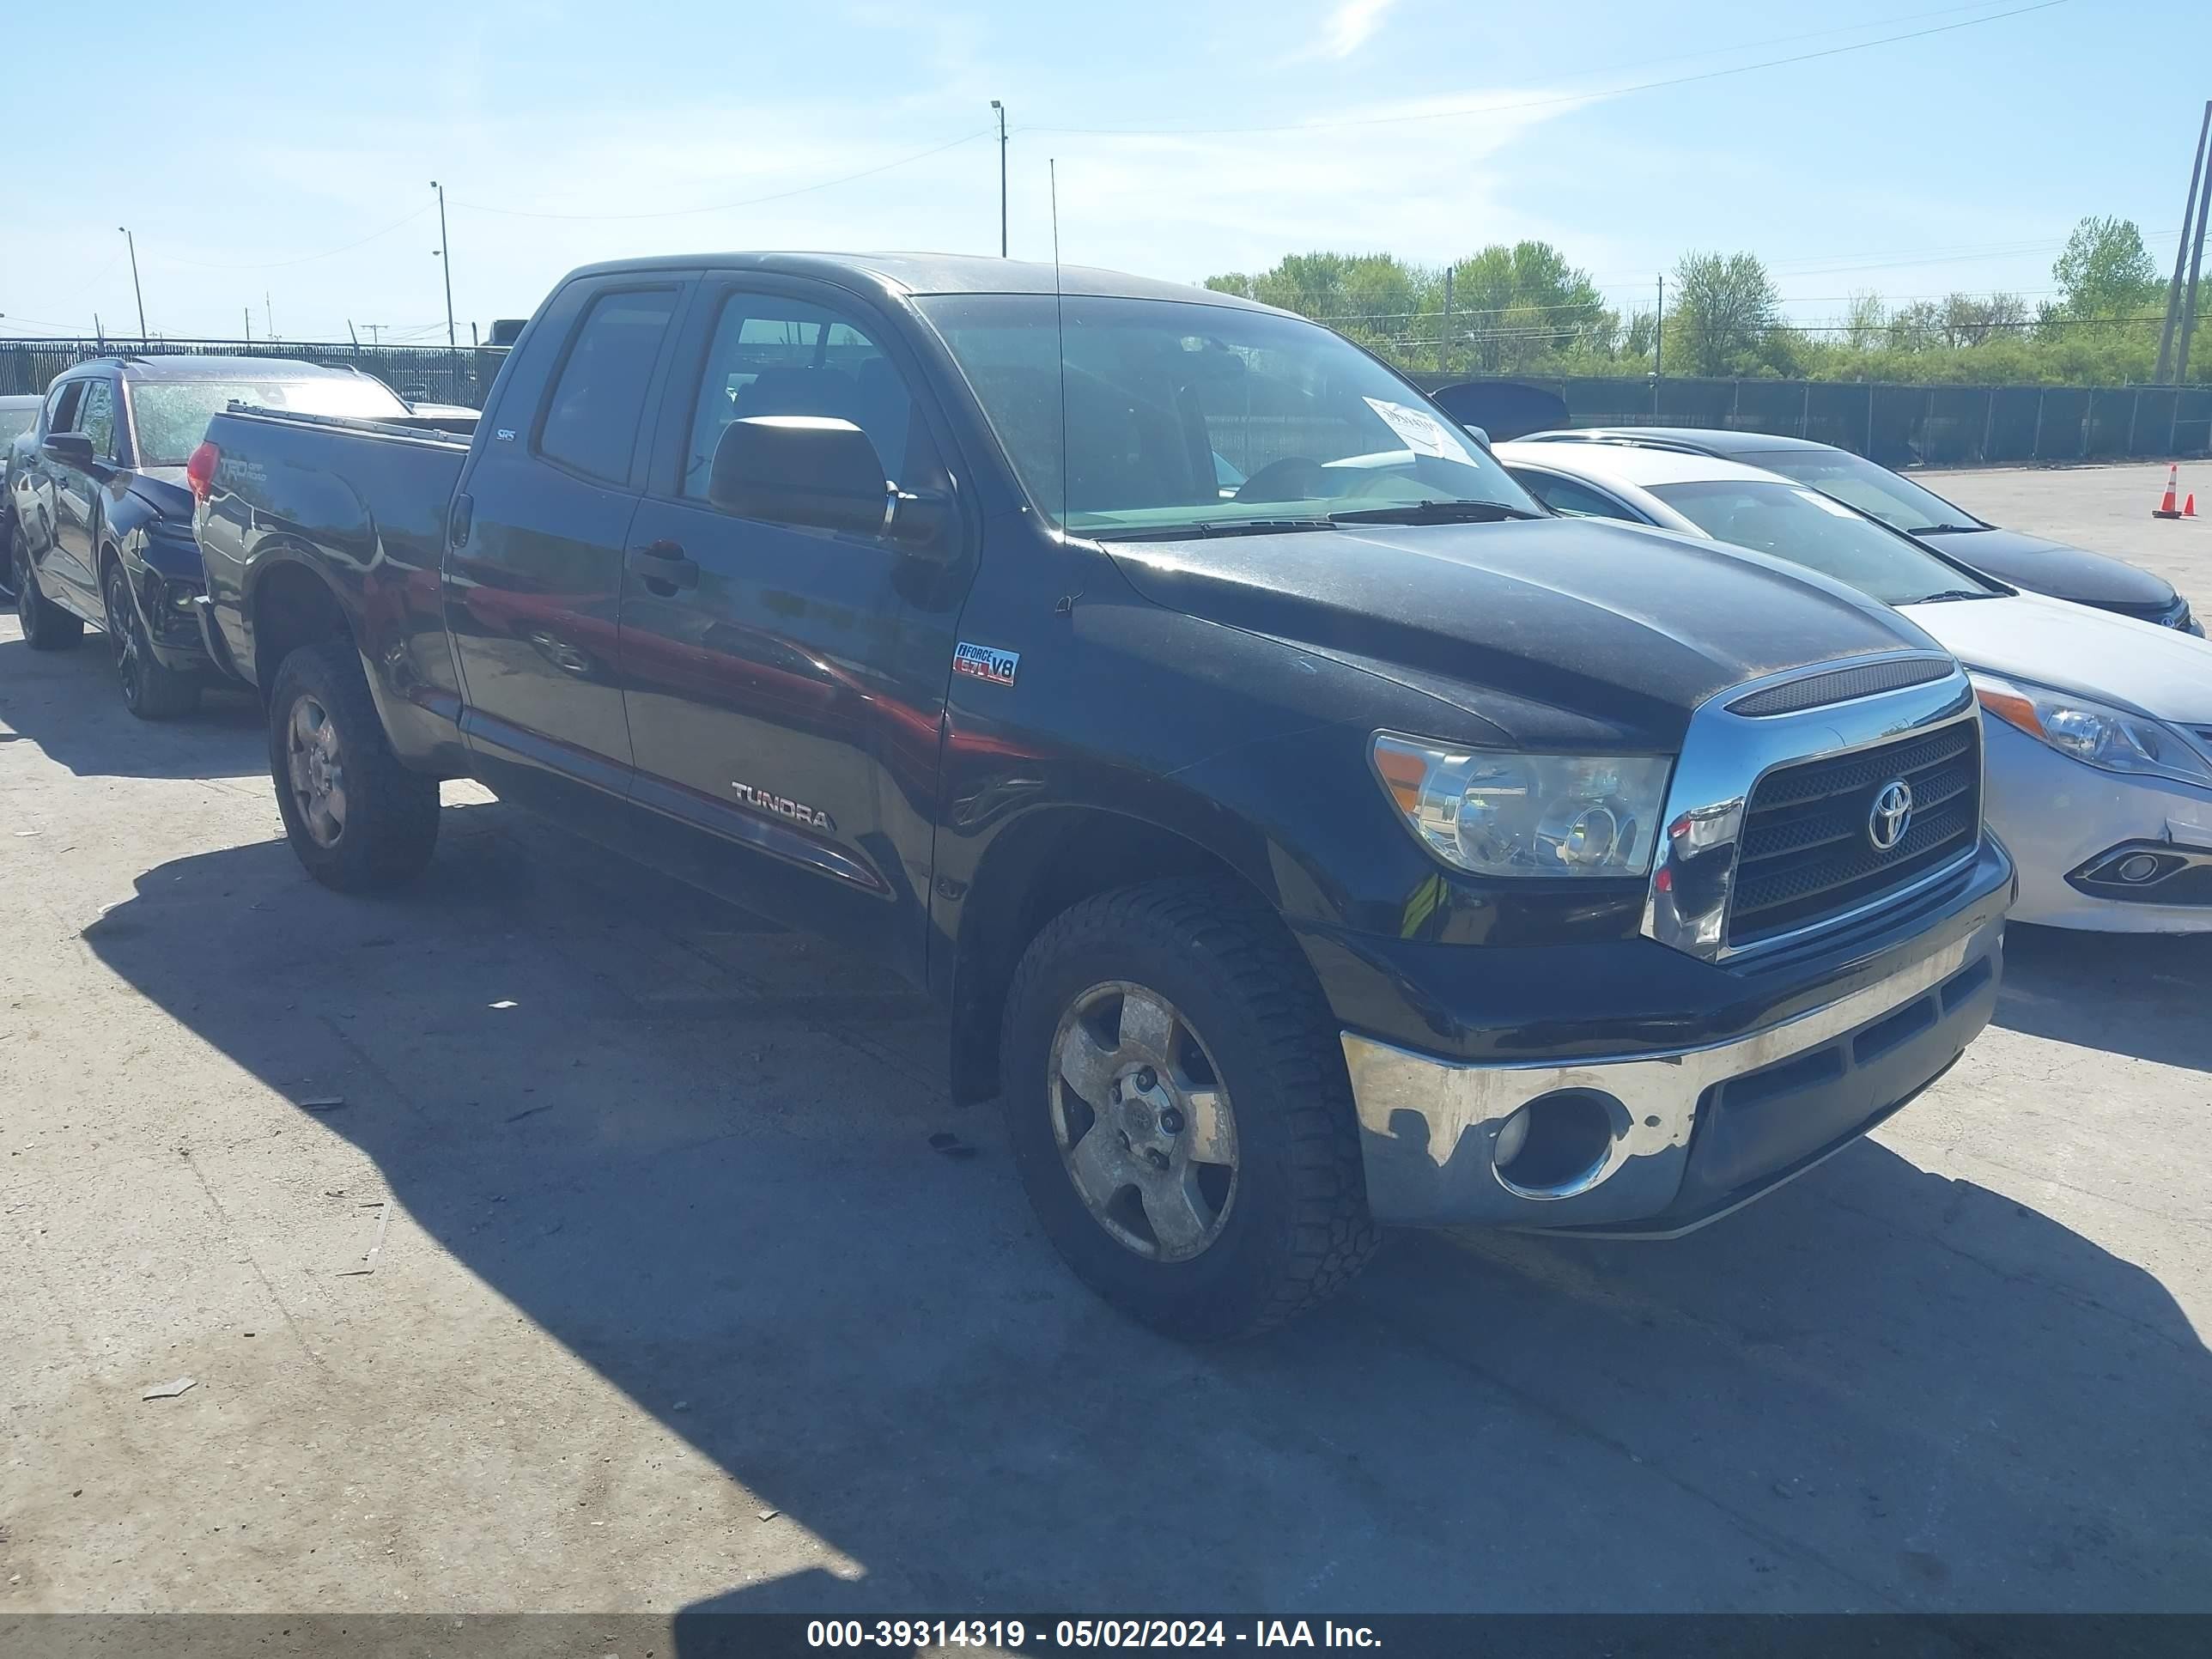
199	470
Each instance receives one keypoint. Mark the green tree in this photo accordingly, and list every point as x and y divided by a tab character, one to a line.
1513	307
1725	313
1375	298
2106	271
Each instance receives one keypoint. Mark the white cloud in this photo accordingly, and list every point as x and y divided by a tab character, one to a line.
1352	24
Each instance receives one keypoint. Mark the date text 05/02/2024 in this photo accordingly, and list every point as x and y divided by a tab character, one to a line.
1083	1633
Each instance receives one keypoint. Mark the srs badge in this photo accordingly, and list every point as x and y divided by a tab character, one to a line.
983	662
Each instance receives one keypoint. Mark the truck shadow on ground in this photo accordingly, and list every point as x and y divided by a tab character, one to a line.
2142	995
68	703
1878	1388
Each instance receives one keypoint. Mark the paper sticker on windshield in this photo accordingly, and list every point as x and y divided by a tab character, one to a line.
1420	431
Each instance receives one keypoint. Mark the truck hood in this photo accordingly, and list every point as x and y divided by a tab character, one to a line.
1623	629
2049	567
2164	672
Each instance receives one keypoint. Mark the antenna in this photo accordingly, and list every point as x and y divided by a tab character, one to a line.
1060	329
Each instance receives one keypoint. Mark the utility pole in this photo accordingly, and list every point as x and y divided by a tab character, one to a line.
2189	295
1659	331
350	335
248	311
2180	253
1444	345
139	293
1002	108
268	315
375	333
446	259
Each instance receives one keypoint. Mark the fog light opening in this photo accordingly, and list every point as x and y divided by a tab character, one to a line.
1557	1145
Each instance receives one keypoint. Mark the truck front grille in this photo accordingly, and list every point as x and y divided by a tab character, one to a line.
1808	854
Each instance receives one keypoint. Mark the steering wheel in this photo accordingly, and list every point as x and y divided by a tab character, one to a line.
1287	478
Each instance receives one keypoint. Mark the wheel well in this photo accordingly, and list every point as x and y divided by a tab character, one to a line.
291	606
1054	859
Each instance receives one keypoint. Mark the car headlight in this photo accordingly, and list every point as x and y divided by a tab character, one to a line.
2092	733
1503	814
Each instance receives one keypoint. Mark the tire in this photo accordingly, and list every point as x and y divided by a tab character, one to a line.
46	626
382	826
1290	1226
150	690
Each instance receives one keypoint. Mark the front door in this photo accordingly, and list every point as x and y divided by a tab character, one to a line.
76	561
785	686
533	573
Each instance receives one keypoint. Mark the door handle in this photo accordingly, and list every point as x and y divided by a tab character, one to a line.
664	566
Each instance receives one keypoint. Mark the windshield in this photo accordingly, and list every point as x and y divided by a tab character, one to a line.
1897	501
170	417
1184	416
1808	529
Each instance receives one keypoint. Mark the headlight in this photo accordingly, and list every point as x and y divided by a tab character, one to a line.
1501	814
2092	733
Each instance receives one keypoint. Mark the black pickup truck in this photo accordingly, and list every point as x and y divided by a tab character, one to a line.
1306	832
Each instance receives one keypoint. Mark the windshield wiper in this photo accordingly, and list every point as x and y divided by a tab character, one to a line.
1942	529
1955	593
1177	533
1434	513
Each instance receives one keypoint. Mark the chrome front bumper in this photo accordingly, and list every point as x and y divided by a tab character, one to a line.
1696	1132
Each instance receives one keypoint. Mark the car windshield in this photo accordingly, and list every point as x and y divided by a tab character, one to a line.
1186	417
15	422
170	417
1897	501
1808	529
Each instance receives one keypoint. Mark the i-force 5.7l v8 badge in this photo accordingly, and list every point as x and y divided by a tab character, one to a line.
984	662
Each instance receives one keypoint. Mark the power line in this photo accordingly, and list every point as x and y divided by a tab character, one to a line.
1547	103
305	259
751	201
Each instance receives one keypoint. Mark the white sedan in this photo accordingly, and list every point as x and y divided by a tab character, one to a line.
2098	728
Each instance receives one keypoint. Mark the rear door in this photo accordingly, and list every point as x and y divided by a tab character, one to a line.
34	505
533	575
785	685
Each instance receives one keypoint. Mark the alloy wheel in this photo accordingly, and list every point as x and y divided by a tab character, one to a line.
123	628
315	762
1144	1125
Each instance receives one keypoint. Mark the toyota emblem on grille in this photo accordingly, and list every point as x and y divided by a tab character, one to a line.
1891	816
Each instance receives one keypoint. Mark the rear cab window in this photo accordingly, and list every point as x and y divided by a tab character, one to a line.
592	413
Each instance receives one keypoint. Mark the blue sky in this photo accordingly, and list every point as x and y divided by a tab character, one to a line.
245	147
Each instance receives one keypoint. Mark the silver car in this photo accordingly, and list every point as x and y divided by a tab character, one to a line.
2098	727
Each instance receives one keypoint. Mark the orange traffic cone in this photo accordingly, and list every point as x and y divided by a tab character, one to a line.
2189	507
2166	508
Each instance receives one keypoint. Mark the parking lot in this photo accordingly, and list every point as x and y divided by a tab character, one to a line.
548	1237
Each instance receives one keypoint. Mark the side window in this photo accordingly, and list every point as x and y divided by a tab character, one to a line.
1576	501
61	407
96	418
597	401
778	356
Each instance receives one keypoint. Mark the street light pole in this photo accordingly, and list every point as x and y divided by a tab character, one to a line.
446	259
131	242
1002	108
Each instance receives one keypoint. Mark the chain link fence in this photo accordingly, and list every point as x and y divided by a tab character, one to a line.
1903	426
1896	425
436	375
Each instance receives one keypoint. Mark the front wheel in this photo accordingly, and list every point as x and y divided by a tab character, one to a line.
150	692
46	626
1179	1110
356	818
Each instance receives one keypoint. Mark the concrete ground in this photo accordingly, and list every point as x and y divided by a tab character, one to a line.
549	1239
2106	509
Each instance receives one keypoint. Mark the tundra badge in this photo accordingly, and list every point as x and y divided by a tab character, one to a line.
984	662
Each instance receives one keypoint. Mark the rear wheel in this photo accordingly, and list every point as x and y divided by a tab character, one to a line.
1180	1113
46	626
150	692
357	818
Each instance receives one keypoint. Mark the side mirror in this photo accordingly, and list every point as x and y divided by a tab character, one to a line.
1481	434
821	472
70	449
